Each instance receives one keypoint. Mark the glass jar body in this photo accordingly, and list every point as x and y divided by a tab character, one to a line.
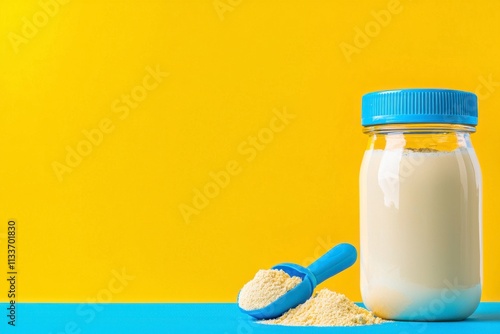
420	222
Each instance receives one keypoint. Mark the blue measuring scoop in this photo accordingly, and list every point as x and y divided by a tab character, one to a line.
333	262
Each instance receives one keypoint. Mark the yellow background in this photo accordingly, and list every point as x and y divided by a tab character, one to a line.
230	69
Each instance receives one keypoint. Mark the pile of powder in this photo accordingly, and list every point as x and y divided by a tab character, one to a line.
327	308
265	288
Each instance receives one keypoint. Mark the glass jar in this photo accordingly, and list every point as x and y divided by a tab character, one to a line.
420	205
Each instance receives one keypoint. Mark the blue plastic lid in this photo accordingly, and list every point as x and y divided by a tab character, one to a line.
428	105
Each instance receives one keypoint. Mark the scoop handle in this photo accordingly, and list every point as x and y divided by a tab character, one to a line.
334	261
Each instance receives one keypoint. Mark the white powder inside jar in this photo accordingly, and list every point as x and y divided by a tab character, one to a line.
266	287
326	308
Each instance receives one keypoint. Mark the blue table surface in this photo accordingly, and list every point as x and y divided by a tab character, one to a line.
223	318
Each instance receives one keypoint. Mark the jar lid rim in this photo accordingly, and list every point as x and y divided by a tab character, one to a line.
419	105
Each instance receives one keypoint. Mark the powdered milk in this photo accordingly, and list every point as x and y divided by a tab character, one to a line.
420	233
326	308
266	287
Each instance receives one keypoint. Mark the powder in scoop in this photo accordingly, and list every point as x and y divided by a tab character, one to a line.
327	308
265	288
